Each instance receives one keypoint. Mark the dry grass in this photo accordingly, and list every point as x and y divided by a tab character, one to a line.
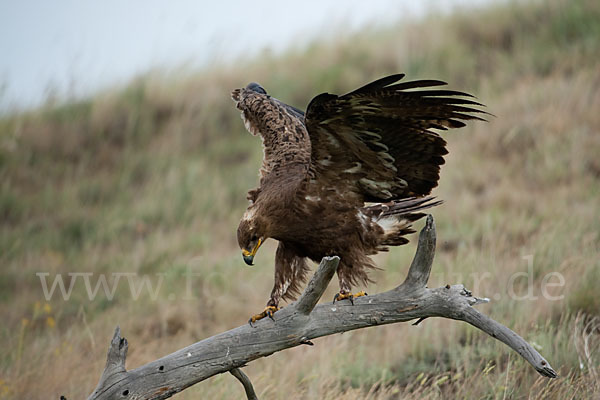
151	178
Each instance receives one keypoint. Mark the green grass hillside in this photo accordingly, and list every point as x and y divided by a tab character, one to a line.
148	182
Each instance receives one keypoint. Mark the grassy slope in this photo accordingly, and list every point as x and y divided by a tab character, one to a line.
152	178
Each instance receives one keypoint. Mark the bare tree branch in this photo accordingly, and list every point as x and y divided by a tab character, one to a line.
317	285
242	377
301	322
420	268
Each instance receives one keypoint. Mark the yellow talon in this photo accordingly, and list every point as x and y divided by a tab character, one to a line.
267	312
343	295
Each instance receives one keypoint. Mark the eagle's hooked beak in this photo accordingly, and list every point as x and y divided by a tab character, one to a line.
249	255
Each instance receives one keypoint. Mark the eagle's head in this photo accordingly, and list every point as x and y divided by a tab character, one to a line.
251	233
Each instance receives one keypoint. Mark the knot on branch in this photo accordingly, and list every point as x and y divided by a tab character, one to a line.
462	291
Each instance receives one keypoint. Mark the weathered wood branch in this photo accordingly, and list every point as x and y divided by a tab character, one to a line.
243	378
299	323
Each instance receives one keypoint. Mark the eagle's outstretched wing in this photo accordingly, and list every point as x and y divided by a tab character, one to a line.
377	141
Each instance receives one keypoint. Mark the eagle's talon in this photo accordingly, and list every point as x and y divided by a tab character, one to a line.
269	311
342	295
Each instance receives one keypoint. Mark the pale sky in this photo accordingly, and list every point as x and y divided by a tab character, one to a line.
78	46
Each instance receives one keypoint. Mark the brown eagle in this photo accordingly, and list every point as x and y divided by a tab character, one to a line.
346	178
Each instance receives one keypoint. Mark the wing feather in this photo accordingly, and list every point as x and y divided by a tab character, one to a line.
378	141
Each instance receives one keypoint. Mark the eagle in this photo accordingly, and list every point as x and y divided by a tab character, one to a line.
348	177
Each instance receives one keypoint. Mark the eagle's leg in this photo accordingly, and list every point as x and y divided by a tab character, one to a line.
345	285
290	272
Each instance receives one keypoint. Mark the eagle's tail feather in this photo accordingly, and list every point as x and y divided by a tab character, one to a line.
396	218
402	207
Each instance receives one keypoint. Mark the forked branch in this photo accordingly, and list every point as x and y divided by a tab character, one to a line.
301	322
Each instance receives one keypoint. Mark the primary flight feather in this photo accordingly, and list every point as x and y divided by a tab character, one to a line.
378	145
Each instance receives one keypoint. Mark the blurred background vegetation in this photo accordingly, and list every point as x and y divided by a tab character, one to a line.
151	178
